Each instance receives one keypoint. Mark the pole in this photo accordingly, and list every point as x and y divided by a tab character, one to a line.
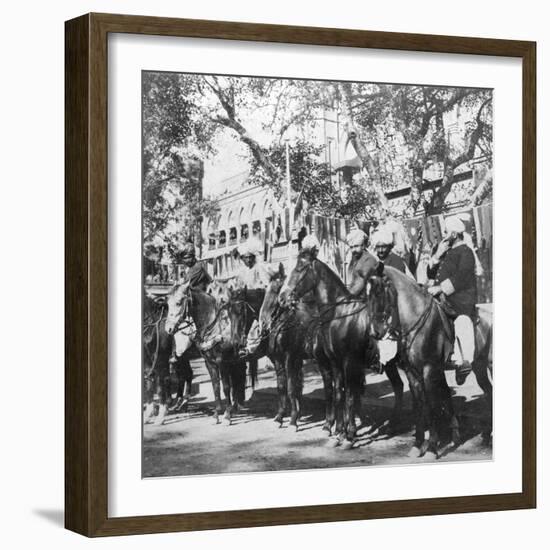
289	203
338	175
330	140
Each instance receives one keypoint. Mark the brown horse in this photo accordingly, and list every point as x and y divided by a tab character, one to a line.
158	361
342	328
426	343
214	342
286	336
244	306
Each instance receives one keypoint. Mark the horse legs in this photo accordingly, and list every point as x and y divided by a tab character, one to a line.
226	383
238	382
295	388
149	383
436	405
353	378
326	374
339	398
214	372
417	395
480	367
184	375
397	384
163	371
446	405
280	371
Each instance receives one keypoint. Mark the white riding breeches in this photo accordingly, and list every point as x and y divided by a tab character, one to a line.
464	340
387	350
184	339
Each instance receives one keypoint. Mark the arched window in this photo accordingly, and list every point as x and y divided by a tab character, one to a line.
222	240
211	241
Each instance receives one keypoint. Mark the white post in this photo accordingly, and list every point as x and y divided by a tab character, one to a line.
289	204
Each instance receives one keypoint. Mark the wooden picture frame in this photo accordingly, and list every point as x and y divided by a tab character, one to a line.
86	279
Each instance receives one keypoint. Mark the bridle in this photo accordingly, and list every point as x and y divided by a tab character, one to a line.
304	271
156	326
245	309
407	337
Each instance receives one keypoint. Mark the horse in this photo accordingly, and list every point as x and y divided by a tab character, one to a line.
214	342
183	340
482	364
426	343
158	360
285	335
244	306
343	336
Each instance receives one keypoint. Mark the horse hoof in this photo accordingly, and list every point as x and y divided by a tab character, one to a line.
333	442
216	420
327	428
148	413
159	420
455	437
430	456
226	421
278	420
346	445
414	453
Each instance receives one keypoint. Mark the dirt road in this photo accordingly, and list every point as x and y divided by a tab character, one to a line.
191	444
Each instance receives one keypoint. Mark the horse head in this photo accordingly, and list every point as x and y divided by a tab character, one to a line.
243	307
178	301
381	299
302	279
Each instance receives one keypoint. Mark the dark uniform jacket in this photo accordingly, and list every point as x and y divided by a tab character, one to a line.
395	261
359	271
196	276
458	265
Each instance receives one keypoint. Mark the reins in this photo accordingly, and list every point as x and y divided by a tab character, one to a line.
157	346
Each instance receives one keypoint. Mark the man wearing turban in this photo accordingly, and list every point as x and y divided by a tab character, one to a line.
453	268
311	245
362	264
193	272
383	243
252	273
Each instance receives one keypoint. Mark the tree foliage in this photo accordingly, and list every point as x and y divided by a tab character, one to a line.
175	141
399	133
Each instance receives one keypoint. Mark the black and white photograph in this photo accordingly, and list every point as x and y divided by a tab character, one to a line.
317	274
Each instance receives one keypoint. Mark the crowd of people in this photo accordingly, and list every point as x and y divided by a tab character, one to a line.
451	276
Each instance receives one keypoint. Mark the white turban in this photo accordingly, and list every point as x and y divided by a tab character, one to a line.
454	223
355	237
383	236
310	242
252	246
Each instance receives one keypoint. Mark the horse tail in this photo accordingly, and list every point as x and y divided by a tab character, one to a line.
253	372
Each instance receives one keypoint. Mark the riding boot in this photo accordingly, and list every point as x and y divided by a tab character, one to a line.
462	371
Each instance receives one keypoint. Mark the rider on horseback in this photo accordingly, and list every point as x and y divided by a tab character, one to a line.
362	264
453	268
192	272
252	274
195	276
383	244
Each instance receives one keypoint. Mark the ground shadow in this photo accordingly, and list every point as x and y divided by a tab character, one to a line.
57	517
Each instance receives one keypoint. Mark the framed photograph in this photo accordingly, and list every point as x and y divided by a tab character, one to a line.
300	280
